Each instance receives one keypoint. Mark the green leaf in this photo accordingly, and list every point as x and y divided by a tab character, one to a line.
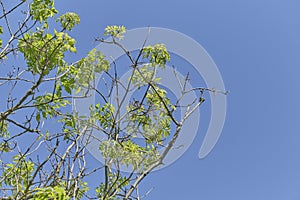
68	21
38	117
157	54
41	10
115	31
68	90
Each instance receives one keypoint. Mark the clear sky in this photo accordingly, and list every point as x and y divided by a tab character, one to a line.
256	46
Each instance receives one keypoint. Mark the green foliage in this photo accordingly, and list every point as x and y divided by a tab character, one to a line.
54	193
159	126
5	146
115	31
84	70
4	129
152	121
115	184
83	189
69	20
65	43
133	139
18	173
41	10
48	105
4	134
104	115
80	74
71	126
67	79
44	51
128	153
144	75
96	60
157	54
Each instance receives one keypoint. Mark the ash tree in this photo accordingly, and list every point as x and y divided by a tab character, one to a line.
43	139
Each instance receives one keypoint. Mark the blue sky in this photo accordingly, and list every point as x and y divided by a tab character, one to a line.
255	45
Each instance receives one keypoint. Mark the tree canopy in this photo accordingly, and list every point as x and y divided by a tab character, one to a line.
44	139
